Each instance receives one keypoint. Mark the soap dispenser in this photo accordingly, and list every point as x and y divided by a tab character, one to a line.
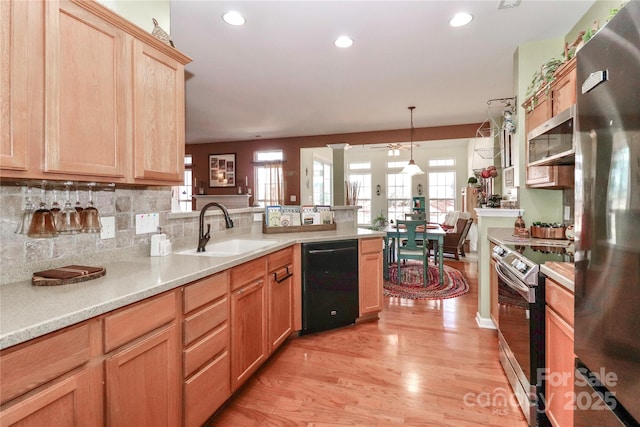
157	242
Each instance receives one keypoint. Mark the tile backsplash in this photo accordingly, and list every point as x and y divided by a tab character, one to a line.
21	255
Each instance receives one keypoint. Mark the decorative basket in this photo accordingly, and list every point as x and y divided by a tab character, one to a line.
161	34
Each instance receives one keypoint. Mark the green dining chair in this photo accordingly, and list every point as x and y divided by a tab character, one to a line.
412	247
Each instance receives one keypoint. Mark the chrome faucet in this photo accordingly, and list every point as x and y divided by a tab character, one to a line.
203	238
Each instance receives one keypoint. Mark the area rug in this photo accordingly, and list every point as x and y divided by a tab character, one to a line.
411	286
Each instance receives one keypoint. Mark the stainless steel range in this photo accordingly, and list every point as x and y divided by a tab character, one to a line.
521	320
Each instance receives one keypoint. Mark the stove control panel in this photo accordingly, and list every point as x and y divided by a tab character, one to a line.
499	252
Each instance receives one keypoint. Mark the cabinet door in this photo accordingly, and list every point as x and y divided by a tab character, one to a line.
280	306
560	367
86	101
73	401
143	382
540	113
206	391
248	331
158	115
563	89
370	276
550	176
14	84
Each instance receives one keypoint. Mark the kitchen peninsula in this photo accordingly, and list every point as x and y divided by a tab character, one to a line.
191	322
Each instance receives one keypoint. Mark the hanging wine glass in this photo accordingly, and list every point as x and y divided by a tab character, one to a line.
90	215
78	205
55	209
70	218
27	213
42	224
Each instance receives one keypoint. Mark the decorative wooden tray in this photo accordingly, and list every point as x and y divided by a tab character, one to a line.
67	275
297	228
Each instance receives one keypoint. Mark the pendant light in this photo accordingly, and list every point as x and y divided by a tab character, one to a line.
412	169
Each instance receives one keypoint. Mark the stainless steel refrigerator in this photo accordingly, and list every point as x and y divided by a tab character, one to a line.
607	304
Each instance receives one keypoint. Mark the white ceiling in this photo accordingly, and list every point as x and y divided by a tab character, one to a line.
280	74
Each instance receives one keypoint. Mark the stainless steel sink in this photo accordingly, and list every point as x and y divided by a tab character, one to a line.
231	247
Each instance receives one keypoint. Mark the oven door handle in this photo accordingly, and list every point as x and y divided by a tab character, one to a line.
521	288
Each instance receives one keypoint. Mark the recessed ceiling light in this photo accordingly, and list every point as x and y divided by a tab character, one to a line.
343	41
233	18
461	19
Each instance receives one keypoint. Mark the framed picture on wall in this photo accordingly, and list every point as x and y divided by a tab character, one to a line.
222	170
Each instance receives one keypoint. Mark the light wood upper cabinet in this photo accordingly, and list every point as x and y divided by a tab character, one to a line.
95	97
16	75
370	276
86	81
158	102
563	89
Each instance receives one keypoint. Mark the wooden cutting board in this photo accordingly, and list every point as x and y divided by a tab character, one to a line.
67	275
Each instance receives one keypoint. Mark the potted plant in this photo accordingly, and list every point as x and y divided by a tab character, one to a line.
379	222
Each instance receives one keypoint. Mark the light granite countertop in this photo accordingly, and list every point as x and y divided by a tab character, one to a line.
28	311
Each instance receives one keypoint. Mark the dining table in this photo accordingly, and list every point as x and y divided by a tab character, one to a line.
431	232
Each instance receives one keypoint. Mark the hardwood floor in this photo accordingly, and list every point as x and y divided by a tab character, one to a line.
423	363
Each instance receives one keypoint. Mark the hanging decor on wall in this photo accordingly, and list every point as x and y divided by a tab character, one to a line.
222	170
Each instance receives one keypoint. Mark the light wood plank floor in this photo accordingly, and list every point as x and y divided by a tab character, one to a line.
424	363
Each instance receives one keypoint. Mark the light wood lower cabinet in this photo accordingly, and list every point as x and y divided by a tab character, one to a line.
248	320
280	295
559	354
52	378
206	355
142	368
74	400
142	382
370	276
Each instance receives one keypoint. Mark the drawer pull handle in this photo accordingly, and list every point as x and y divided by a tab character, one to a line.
247	288
285	277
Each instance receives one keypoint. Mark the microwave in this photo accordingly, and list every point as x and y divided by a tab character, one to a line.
552	143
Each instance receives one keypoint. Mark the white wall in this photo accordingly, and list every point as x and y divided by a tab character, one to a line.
423	151
141	13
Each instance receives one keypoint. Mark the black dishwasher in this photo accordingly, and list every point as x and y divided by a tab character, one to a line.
329	285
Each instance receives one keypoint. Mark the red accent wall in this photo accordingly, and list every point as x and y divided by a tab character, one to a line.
291	151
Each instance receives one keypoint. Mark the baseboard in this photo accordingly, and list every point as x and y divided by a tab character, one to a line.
485	322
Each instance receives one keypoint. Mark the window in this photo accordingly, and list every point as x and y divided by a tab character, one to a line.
442	194
268	178
442	162
360	172
398	191
185	191
322	172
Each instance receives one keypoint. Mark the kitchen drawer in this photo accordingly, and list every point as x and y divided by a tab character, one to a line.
247	272
204	291
280	259
205	349
370	246
133	322
206	391
205	320
42	360
560	300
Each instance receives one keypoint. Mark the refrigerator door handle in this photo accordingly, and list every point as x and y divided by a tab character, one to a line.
594	80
